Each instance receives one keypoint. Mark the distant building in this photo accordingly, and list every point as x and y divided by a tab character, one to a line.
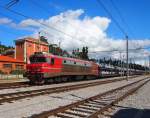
8	64
9	53
28	46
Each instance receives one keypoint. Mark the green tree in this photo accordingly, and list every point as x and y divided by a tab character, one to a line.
44	39
83	53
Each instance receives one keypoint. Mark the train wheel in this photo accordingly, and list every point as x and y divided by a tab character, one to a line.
88	77
50	80
64	79
40	81
57	79
31	82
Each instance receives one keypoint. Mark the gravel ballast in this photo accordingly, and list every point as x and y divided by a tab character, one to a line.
136	105
21	89
27	107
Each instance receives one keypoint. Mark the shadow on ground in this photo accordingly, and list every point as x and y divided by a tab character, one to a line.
127	112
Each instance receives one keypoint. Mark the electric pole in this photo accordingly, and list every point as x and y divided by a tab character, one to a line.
127	71
120	64
149	64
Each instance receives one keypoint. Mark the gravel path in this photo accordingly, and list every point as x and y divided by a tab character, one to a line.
29	106
136	105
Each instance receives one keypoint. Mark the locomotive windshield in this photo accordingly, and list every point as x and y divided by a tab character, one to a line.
36	59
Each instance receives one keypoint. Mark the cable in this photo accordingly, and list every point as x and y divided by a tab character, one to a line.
10	32
44	9
13	18
134	49
28	17
4	15
115	21
121	17
11	3
39	6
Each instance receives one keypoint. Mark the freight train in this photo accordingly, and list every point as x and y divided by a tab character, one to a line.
51	68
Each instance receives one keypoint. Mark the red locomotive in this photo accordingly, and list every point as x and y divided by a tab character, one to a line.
48	67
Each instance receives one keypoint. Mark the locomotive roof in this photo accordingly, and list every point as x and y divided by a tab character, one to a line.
69	58
66	58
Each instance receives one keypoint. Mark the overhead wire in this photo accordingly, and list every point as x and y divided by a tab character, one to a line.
43	24
25	16
110	15
11	3
8	32
35	3
119	13
39	6
116	50
7	16
121	17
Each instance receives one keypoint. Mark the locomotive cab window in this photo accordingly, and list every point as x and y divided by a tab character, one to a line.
36	59
64	61
52	61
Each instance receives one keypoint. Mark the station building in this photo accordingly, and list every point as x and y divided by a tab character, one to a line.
16	59
9	64
27	46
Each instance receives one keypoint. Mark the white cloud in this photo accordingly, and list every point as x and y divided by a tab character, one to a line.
84	30
29	23
87	31
5	21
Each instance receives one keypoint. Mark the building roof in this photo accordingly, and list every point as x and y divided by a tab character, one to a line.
9	59
31	40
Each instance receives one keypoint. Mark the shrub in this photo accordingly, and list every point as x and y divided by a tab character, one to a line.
1	72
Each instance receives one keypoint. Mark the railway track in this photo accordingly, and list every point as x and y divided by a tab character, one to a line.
26	84
14	85
10	97
93	107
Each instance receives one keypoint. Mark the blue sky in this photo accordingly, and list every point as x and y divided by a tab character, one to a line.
135	13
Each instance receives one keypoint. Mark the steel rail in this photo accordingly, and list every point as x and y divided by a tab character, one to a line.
9	97
93	106
14	85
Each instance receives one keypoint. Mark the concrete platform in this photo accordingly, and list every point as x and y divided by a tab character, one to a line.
13	80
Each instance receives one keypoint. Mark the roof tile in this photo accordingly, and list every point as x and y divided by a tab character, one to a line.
9	59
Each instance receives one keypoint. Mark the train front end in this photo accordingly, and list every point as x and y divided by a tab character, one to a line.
37	67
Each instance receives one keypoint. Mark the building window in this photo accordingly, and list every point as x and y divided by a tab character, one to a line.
7	65
19	67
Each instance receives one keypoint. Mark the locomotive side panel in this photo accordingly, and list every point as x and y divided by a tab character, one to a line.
75	67
95	69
